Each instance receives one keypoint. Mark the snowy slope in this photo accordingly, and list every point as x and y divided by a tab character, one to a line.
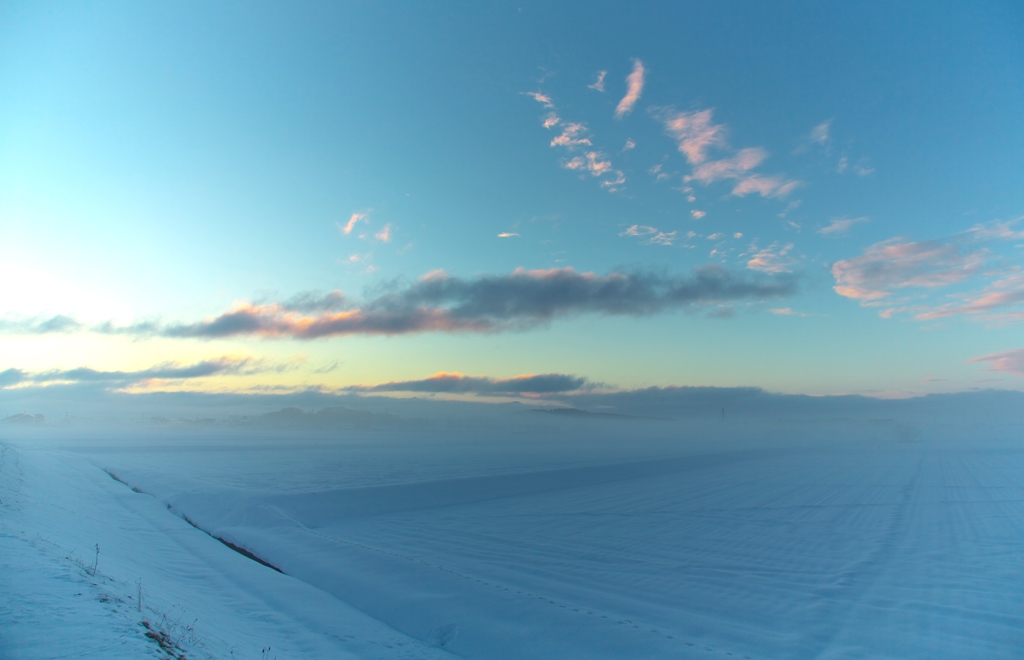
209	600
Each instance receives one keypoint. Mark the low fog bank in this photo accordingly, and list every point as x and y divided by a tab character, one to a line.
78	406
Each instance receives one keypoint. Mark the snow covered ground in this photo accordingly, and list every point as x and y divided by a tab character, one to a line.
827	539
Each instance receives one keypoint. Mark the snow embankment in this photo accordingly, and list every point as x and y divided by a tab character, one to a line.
91	569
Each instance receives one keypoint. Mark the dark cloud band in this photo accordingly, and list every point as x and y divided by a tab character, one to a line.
491	303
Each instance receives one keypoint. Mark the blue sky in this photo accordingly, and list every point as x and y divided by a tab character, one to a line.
805	198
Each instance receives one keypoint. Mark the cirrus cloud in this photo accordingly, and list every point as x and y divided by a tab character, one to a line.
634	88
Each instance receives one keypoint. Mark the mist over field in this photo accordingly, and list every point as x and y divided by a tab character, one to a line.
412	528
511	330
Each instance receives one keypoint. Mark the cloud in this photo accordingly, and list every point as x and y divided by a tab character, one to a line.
634	88
772	259
630	144
1010	362
663	238
766	186
694	132
599	83
456	383
161	372
728	168
820	134
11	377
697	215
895	264
1002	294
696	135
352	221
597	164
508	234
384	235
653	235
841	225
639	230
543	99
519	300
39	326
785	311
997	231
573	135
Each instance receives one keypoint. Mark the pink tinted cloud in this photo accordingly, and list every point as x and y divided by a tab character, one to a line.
551	120
573	135
384	235
634	88
541	98
765	186
1000	295
728	168
891	265
1010	362
597	165
772	259
598	84
352	221
694	133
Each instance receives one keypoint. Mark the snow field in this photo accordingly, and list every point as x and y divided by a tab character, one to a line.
828	540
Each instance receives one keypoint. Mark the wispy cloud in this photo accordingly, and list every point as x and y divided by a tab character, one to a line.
772	259
634	88
39	325
541	98
598	84
821	134
897	264
663	238
508	234
765	186
728	168
1001	301
639	230
652	235
841	225
630	144
1010	362
384	235
998	231
168	371
697	215
785	311
438	302
456	383
573	135
694	132
352	222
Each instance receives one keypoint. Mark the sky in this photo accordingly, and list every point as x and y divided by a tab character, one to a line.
512	200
